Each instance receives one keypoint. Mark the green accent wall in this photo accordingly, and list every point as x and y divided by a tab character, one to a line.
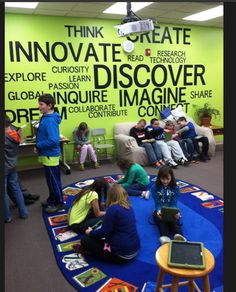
82	63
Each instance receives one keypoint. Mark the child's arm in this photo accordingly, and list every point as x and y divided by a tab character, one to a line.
96	208
184	129
155	195
174	200
107	225
123	179
128	179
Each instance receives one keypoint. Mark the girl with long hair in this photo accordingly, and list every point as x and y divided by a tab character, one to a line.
117	240
86	208
165	193
83	145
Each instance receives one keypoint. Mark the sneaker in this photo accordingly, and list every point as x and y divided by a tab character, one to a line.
172	163
145	194
96	164
53	209
29	201
81	167
33	197
179	237
8	220
185	162
23	217
164	239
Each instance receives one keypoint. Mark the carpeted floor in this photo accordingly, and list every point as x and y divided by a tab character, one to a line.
199	224
30	264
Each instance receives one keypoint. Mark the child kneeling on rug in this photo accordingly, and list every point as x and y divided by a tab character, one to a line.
117	240
165	193
86	208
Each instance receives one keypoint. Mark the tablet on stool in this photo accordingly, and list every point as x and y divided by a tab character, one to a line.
186	254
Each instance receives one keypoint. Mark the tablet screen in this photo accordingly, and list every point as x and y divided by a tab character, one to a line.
186	254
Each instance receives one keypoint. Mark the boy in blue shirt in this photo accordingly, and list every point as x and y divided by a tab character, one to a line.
187	131
48	149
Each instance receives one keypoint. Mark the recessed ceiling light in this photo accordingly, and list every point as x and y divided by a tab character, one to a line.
121	7
21	4
207	14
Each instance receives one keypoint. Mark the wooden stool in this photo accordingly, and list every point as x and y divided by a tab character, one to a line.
176	273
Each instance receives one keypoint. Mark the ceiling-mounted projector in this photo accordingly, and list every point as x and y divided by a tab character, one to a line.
134	27
132	24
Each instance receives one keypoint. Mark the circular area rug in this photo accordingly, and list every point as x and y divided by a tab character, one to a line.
202	216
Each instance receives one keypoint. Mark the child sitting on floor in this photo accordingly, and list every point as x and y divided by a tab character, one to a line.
136	180
165	193
117	240
86	208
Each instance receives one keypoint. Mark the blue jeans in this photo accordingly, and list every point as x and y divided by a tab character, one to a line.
153	152
11	182
53	177
187	147
135	189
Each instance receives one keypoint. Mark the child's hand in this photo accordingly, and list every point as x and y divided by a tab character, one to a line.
88	230
166	131
35	150
177	216
159	214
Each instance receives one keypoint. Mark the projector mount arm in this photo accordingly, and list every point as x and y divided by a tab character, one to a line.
131	16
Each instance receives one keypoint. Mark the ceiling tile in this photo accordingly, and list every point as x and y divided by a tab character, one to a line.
56	6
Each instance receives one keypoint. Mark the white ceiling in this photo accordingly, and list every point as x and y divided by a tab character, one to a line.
162	12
